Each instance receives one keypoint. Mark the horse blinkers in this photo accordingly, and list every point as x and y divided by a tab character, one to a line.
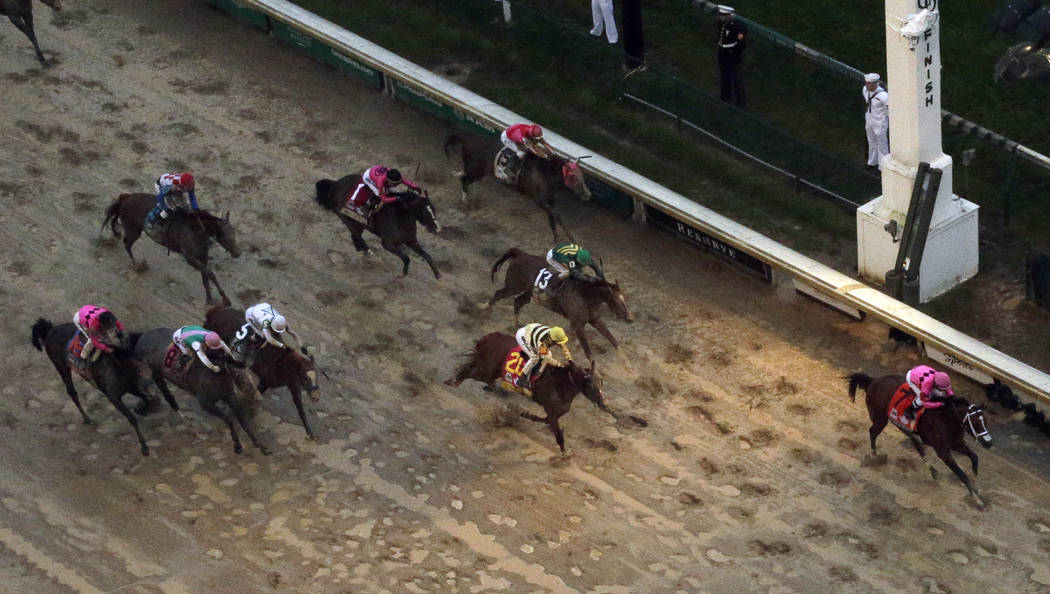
594	384
975	421
312	389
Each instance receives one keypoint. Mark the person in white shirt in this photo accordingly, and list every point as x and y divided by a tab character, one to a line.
876	119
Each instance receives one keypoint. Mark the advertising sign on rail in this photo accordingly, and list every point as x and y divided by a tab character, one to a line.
327	54
242	13
716	246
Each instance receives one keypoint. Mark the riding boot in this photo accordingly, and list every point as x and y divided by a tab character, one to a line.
911	411
522	382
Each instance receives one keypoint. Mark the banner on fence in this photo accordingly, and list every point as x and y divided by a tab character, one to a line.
327	54
951	361
610	197
711	244
242	13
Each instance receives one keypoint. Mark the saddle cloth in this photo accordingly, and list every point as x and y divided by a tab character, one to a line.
74	348
512	367
352	211
900	402
542	286
171	358
507	166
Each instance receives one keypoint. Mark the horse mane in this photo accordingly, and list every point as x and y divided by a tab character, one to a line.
599	284
206	218
550	166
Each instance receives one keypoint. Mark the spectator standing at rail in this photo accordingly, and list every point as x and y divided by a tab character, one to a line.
602	16
732	37
876	119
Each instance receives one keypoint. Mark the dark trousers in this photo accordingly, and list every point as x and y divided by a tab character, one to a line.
732	83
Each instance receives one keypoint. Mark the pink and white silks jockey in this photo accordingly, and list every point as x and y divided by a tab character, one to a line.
95	322
927	382
381	181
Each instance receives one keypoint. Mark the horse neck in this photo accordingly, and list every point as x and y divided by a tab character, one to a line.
958	407
596	293
567	381
284	369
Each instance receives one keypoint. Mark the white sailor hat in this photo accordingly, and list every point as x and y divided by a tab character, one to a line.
723	9
871	77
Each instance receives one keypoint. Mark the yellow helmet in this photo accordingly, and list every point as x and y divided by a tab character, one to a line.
558	335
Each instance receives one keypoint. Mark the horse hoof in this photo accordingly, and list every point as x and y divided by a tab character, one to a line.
145	450
483	306
560	460
265	451
142	266
237	449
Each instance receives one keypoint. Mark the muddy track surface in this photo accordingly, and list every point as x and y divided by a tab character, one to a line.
748	471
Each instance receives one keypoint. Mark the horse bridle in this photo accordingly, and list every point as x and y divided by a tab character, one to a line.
971	412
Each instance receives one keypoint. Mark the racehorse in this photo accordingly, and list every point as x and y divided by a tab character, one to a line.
114	374
539	178
187	233
233	385
394	223
578	301
940	428
554	390
274	367
21	14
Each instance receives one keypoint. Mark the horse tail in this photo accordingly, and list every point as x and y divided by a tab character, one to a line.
855	380
40	331
323	189
509	255
113	215
451	141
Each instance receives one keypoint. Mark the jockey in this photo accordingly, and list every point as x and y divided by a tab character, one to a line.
525	138
200	340
569	259
95	322
264	322
535	341
170	193
927	383
381	181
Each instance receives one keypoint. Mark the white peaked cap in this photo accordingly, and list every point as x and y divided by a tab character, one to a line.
871	77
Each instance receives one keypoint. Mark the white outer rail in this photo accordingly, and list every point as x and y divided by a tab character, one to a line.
834	284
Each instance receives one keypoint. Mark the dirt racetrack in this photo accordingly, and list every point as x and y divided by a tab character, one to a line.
750	475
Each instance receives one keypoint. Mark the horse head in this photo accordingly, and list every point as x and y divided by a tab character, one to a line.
590	383
421	208
612	296
572	177
618	304
308	375
974	421
226	235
